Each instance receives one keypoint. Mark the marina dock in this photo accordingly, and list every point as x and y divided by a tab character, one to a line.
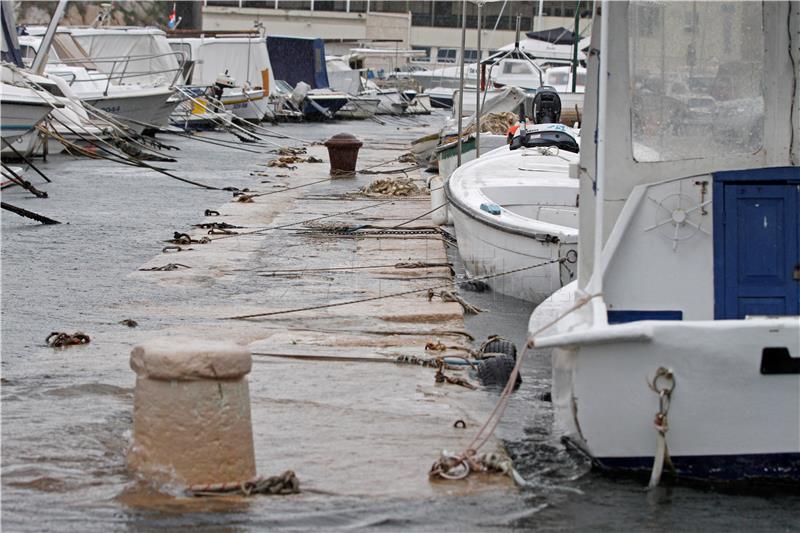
338	389
298	266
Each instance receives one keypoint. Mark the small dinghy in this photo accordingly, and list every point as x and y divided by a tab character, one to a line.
515	210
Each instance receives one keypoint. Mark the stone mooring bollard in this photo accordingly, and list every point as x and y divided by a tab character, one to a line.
191	413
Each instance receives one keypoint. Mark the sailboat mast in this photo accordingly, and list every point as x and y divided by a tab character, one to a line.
44	48
461	77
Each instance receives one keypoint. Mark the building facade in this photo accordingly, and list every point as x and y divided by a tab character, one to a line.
432	28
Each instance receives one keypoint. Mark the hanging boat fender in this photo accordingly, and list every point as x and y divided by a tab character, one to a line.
440	216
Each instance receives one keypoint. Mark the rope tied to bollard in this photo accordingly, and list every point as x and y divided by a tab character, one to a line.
283	484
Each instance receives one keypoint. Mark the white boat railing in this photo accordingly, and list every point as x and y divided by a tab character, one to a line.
125	61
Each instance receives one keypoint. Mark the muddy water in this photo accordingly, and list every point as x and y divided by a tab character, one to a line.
66	413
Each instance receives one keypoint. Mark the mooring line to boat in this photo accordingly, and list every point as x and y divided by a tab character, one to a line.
392	295
404	170
422	215
256	195
22	182
128	135
217	142
134	162
28	214
415	265
466	459
27	161
226	119
661	457
288	225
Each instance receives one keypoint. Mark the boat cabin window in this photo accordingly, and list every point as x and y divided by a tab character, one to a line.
699	93
517	67
71	53
28	54
182	47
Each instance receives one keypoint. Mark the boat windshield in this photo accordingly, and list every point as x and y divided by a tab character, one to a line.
543	139
717	61
71	53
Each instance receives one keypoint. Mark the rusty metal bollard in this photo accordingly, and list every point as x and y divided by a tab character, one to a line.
191	412
343	153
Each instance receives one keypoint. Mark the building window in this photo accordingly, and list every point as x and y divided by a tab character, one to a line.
358	6
470	55
446	55
422	58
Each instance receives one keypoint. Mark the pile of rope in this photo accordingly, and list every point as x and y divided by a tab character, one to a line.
459	466
287	161
59	339
166	268
497	123
185	238
286	483
404	186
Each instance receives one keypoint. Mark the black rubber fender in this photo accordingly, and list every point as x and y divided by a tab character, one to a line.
500	345
495	371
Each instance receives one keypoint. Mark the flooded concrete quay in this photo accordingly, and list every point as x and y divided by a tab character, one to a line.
328	400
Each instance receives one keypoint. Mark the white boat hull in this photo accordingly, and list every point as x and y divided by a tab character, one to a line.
250	106
17	118
488	251
359	108
137	109
716	431
420	105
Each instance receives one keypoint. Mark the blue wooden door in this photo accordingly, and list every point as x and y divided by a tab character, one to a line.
760	253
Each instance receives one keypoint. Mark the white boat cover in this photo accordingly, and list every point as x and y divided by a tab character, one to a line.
243	57
341	77
152	61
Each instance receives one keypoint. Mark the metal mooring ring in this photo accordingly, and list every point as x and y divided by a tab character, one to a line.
571	256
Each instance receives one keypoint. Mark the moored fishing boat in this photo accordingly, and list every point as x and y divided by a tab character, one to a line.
687	307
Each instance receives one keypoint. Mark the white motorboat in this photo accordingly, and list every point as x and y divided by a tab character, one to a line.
391	102
70	121
515	210
22	109
687	307
359	107
418	103
117	92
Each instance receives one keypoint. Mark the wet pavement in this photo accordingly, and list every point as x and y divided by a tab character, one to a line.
66	414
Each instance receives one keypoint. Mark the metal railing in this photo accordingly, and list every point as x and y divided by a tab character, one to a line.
125	62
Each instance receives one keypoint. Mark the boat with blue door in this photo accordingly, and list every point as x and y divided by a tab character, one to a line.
515	212
679	349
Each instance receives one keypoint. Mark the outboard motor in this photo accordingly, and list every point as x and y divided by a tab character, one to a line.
546	106
222	82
